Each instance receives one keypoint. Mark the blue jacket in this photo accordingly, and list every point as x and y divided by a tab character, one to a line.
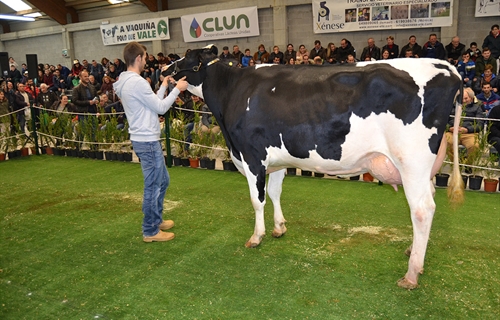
245	60
489	103
468	69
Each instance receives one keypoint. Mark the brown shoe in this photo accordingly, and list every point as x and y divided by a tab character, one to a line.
160	237
166	224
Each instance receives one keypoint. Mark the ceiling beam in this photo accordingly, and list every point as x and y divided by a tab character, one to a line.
57	10
156	5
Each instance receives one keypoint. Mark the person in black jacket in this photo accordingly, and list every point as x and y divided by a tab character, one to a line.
345	50
433	48
14	75
413	45
391	47
494	135
454	50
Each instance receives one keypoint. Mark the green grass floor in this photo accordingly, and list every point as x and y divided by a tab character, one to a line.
71	248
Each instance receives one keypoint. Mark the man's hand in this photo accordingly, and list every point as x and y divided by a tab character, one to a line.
182	84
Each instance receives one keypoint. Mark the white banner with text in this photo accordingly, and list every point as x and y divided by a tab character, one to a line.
356	15
142	30
225	24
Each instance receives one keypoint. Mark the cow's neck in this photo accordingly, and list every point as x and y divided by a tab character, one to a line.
219	85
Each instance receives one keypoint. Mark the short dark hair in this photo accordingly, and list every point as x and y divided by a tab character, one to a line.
486	49
486	83
131	51
495	26
317	42
473	44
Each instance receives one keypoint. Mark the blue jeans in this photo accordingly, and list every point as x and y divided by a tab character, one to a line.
156	181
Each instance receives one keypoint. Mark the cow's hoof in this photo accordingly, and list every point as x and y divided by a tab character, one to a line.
277	233
421	271
404	283
254	241
408	251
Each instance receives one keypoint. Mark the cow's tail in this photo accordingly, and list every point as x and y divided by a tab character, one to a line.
456	188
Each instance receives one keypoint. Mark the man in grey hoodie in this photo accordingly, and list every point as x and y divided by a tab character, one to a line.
142	107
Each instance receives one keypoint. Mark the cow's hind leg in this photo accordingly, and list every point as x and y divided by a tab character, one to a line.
422	206
274	188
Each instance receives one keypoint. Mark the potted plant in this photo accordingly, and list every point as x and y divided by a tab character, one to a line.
491	174
477	159
177	138
442	178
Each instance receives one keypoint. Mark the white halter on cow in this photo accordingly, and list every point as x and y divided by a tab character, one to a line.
386	117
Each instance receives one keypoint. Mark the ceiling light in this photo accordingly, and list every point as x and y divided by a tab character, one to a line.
33	15
113	1
13	17
17	5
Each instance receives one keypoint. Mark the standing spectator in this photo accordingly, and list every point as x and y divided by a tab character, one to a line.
289	53
454	50
433	48
22	99
261	56
371	51
225	55
39	77
84	95
96	70
467	69
277	54
4	108
13	62
237	54
473	51
14	75
317	51
391	47
492	41
488	98
142	108
483	60
301	53
345	50
246	58
331	53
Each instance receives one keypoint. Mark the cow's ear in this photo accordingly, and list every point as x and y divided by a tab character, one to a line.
214	50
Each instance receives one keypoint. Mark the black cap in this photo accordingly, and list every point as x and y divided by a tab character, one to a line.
225	48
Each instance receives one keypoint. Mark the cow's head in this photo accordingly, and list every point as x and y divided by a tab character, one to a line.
193	65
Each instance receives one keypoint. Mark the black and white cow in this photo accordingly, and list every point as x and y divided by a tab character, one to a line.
386	118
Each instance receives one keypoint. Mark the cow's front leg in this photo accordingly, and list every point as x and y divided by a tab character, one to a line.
257	184
274	188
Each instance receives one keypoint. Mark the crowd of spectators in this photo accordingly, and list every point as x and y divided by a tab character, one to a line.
89	82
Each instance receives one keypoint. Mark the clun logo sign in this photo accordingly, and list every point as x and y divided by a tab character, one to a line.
195	29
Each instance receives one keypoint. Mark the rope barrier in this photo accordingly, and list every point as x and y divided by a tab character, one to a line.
78	113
